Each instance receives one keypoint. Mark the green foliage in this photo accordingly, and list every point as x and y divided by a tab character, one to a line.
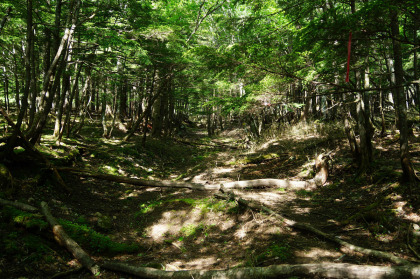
148	207
29	220
280	252
81	233
191	230
304	193
17	243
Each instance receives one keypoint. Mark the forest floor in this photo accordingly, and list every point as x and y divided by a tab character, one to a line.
176	229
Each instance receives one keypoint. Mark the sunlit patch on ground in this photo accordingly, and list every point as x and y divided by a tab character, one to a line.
318	254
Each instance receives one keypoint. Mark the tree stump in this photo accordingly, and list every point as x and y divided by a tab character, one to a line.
321	169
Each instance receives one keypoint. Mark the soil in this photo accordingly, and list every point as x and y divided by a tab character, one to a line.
184	229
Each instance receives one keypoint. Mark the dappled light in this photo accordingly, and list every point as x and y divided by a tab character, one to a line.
319	255
209	139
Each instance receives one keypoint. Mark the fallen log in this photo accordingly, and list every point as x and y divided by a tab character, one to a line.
257	183
326	270
19	205
269	182
139	182
345	246
63	239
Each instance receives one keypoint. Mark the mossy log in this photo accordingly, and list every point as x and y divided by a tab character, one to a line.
325	270
63	239
19	205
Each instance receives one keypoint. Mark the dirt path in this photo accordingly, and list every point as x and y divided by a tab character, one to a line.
184	229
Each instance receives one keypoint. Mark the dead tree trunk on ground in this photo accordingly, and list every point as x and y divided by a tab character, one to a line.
63	239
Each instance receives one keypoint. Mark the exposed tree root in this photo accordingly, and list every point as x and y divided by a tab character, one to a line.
29	147
63	239
345	246
327	270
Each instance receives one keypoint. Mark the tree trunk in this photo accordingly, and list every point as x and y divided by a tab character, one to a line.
150	100
60	106
52	77
64	240
85	105
5	18
68	104
8	149
399	96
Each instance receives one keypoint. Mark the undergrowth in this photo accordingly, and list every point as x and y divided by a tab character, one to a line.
280	252
87	237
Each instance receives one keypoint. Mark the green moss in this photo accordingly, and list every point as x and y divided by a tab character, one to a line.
304	193
191	230
29	220
94	241
81	233
278	251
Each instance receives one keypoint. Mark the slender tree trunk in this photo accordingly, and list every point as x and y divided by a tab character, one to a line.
381	107
53	75
407	167
17	83
157	115
34	87
60	107
123	99
85	105
104	109
28	66
415	60
6	92
8	150
114	111
5	18
150	100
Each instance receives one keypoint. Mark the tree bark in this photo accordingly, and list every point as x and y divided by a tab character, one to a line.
63	239
399	95
8	149
53	75
19	205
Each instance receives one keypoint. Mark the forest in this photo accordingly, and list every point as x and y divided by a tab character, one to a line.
209	139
